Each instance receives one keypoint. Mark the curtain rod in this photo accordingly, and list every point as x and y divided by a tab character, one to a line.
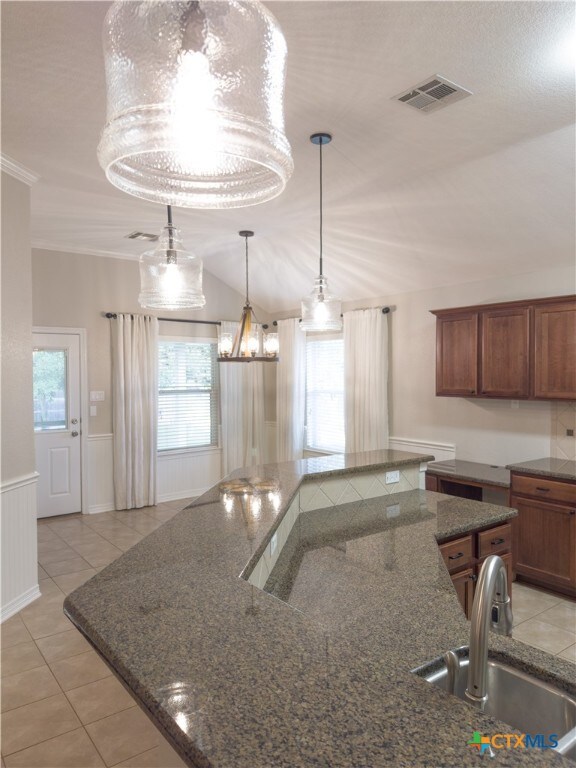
385	311
171	319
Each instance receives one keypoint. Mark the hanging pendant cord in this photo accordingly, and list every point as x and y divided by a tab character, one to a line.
320	206
170	256
247	299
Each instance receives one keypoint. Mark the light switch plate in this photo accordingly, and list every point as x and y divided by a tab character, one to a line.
93	410
96	396
393	477
273	544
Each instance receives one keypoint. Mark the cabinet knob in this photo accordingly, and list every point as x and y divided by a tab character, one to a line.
473	577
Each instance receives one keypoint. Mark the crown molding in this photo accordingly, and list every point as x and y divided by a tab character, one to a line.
18	171
45	245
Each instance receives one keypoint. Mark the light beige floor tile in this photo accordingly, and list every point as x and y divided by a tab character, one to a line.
14	632
563	615
34	723
79	670
162	756
63	645
70	581
123	735
569	653
54	545
99	561
147	525
73	565
45	534
55	557
42	573
47	622
88	551
19	658
542	635
26	687
98	700
71	750
163	514
132	516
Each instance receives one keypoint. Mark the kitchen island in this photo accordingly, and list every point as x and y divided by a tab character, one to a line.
236	677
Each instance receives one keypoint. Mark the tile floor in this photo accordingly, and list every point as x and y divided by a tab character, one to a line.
62	707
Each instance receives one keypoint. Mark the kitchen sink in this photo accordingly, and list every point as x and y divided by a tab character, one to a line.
526	703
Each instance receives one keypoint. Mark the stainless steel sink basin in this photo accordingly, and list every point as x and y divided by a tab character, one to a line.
526	703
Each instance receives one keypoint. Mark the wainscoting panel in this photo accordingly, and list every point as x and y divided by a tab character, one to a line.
188	473
19	544
440	451
100	473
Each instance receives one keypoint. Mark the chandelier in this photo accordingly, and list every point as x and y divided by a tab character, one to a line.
247	345
320	310
195	113
170	277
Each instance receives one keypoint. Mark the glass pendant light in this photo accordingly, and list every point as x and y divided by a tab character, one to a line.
320	310
170	277
246	344
195	102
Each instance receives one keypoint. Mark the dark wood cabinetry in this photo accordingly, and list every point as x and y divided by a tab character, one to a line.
545	532
518	350
465	556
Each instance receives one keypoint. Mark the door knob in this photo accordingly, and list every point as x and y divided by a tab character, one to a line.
74	434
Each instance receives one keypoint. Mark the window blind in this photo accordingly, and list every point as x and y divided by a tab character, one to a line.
188	395
325	395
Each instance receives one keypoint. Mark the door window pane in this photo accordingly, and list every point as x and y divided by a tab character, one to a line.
50	368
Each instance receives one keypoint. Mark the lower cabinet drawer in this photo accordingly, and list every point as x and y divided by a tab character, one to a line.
495	541
542	488
458	553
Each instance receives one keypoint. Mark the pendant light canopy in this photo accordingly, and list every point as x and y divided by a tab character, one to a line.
170	277
195	102
246	345
320	310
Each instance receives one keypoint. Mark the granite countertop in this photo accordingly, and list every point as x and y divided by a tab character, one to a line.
488	474
562	469
237	678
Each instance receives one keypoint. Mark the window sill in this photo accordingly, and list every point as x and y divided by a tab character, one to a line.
186	451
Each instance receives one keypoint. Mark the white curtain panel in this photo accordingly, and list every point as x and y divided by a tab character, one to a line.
134	409
242	411
366	379
290	390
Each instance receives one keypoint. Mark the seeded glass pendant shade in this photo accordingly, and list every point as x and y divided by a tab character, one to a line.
170	276
195	102
321	311
246	344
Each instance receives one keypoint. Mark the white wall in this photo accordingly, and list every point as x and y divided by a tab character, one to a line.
19	548
492	431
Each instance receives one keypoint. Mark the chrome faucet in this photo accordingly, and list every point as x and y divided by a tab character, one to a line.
491	610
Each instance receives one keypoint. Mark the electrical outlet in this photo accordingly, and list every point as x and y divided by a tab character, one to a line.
273	544
393	477
569	433
514	403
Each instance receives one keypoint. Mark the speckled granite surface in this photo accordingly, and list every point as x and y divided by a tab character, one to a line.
560	468
472	470
237	678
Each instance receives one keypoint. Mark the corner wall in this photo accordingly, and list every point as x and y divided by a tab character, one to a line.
18	463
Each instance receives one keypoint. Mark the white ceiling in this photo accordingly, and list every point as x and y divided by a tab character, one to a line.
483	188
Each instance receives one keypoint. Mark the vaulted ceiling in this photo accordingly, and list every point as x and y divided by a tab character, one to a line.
481	189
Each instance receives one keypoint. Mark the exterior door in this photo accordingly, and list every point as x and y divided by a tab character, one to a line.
56	375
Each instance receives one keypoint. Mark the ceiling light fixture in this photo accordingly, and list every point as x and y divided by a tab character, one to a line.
246	345
321	311
195	112
170	276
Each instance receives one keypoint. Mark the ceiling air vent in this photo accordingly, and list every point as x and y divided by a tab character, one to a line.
433	93
142	236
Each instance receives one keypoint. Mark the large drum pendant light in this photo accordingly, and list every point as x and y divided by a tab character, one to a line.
195	102
320	310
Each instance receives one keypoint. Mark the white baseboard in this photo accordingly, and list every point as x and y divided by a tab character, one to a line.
185	494
440	451
95	509
20	602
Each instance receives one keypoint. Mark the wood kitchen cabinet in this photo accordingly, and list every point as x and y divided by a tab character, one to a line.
545	532
520	350
465	556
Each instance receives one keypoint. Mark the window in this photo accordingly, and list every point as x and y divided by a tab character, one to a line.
49	367
325	395
188	394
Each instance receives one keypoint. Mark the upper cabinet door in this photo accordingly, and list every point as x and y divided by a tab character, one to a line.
505	353
555	351
457	355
